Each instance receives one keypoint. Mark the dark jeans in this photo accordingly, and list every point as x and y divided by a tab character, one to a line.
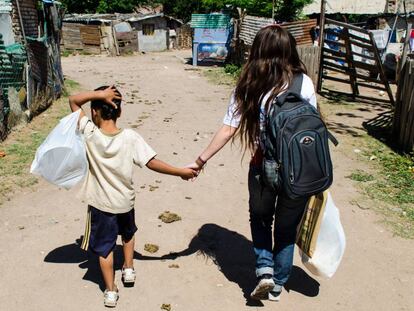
266	206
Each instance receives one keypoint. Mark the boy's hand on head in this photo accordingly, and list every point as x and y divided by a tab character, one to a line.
109	94
188	173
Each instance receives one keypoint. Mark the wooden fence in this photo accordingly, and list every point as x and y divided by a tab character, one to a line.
351	52
403	125
310	57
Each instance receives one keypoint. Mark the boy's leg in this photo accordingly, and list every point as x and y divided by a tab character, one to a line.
127	229
128	247
107	268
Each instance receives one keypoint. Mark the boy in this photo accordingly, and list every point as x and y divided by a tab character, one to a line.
108	187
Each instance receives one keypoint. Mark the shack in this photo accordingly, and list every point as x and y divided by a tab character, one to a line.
212	37
116	34
30	69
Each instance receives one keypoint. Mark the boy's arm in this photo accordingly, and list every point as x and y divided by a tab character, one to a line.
108	95
164	168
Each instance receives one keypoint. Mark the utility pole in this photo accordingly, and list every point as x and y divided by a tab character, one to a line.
321	43
273	11
322	21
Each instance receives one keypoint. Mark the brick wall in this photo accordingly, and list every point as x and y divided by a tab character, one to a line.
29	17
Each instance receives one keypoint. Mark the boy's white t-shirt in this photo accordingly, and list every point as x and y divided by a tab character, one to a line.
233	119
108	185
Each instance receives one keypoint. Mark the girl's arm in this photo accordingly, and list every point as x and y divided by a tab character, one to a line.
164	168
108	95
220	139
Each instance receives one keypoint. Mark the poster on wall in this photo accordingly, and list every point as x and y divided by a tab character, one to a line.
212	52
206	35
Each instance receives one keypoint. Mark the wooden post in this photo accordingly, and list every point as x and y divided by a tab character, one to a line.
115	40
350	61
321	43
404	52
381	70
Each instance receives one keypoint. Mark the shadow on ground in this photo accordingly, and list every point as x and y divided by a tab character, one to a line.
73	254
229	250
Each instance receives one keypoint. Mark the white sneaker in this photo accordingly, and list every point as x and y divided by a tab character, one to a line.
274	296
263	287
111	298
128	275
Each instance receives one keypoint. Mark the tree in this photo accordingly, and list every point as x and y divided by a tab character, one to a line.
289	10
286	10
101	6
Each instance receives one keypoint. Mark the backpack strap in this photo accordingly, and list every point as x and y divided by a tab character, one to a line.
333	139
296	86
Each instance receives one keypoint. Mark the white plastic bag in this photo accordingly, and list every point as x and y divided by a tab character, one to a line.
61	158
330	245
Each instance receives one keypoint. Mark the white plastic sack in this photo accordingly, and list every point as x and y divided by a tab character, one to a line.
330	245
61	158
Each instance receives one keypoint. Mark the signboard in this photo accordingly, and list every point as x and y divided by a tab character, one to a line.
204	35
212	52
211	44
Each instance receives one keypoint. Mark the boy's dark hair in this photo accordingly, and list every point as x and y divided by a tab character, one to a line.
108	112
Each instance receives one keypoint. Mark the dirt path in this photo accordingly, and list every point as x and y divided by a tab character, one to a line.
177	111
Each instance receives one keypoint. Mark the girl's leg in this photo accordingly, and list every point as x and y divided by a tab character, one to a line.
261	208
287	217
107	268
128	248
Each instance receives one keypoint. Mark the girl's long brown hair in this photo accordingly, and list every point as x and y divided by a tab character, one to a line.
272	63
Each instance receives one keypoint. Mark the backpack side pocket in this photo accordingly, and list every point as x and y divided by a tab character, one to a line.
271	174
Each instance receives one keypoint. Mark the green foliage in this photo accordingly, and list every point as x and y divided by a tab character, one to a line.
285	9
394	182
361	176
234	70
101	6
290	10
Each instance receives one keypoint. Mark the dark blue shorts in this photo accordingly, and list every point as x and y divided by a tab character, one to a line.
102	230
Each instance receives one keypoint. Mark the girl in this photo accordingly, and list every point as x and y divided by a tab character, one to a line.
272	64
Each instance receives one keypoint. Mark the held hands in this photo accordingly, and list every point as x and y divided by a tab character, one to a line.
197	166
188	173
109	94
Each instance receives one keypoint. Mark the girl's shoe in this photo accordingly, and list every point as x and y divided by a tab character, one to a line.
274	296
128	276
111	298
263	287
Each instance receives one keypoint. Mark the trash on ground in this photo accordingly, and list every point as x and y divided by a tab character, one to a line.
174	265
153	188
151	248
169	217
166	306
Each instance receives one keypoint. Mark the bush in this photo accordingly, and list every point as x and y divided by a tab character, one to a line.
232	69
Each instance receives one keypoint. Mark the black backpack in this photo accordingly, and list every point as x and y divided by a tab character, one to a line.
296	148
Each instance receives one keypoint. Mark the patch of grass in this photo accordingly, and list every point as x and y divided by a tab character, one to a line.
392	186
22	143
234	70
66	53
70	85
361	176
219	76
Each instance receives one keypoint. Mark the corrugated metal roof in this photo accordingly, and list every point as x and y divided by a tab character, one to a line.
250	26
349	7
300	29
5	6
212	21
